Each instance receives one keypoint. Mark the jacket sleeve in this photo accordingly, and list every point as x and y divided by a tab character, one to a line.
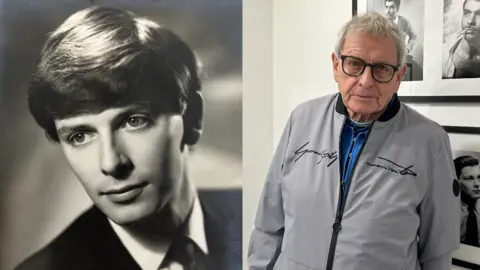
443	262
266	238
439	231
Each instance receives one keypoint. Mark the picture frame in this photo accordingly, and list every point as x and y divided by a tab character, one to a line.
463	130
443	21
465	140
440	99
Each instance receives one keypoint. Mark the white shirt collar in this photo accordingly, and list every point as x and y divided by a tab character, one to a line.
396	20
150	257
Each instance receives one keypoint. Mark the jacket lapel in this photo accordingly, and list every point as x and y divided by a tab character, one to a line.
104	246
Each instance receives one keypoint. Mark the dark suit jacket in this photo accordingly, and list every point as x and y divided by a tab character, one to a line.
90	243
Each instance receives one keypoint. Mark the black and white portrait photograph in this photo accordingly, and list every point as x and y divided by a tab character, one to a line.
408	15
461	39
122	143
466	160
467	167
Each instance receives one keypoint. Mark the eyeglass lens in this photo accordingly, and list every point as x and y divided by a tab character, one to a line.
355	67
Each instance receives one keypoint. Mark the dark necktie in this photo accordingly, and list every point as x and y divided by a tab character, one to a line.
471	237
185	252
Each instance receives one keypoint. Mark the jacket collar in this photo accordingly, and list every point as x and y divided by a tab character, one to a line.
392	110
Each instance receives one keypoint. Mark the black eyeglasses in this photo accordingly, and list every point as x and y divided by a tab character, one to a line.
354	66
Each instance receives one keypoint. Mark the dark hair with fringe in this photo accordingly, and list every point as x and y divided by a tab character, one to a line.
101	58
462	162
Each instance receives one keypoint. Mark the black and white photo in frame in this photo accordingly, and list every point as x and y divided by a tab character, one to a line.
123	148
461	39
440	22
466	157
408	15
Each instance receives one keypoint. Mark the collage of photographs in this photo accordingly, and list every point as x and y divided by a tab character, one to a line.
124	136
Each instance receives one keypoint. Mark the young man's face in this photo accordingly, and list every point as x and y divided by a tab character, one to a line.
128	160
470	181
391	9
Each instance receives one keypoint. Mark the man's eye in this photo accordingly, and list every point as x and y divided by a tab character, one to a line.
135	122
355	63
80	138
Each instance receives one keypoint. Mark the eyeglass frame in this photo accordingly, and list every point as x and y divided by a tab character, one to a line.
371	65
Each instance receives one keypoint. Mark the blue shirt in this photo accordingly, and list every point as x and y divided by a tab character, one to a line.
352	141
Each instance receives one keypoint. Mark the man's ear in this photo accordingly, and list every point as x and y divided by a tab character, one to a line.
335	63
193	118
401	72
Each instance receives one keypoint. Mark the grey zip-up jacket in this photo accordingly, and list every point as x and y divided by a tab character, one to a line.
402	206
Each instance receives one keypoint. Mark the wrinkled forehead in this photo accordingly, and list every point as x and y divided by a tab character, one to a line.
370	47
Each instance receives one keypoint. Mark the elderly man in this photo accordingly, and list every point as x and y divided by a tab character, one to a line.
468	172
359	180
461	50
121	95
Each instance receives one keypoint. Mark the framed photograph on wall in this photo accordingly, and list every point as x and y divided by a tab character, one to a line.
408	16
466	156
441	64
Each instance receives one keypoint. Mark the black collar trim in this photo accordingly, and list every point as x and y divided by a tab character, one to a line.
386	116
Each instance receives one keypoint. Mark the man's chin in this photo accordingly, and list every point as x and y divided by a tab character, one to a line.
475	196
125	215
364	105
472	39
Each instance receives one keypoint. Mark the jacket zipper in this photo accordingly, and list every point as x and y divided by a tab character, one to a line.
342	198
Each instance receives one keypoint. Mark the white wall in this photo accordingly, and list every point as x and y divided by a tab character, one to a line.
287	47
257	104
304	33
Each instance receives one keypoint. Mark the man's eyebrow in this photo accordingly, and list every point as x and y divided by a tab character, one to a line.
115	121
67	130
135	109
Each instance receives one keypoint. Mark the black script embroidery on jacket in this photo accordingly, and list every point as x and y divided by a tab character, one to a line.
332	156
393	167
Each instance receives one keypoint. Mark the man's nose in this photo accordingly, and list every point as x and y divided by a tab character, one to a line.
113	162
476	183
471	21
366	78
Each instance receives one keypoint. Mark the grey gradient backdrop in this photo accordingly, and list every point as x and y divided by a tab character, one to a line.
39	195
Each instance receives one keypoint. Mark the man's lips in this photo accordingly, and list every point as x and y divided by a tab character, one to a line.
365	97
124	188
470	31
125	194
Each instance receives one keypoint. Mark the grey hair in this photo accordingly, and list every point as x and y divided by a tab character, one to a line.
374	24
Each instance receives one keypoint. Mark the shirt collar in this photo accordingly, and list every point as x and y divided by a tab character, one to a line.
196	228
396	20
390	112
149	256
